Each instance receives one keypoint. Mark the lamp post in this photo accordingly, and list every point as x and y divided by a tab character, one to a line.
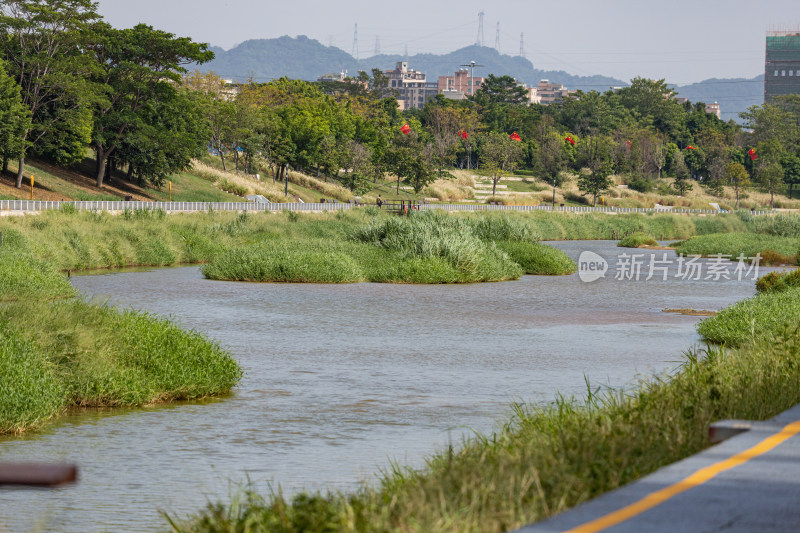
472	66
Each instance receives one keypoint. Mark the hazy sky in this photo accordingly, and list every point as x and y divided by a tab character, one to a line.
682	41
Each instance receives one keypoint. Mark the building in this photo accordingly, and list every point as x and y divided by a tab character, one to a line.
412	87
782	65
459	85
548	93
714	109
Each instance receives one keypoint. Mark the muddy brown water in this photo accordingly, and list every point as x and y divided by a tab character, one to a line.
342	379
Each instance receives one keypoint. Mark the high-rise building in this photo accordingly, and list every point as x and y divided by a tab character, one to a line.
782	71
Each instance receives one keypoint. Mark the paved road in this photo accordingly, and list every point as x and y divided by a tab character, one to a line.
749	483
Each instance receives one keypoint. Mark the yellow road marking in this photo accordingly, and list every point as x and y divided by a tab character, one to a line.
698	478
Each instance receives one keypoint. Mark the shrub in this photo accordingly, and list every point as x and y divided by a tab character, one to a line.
636	240
538	259
577	198
778	281
640	184
233	188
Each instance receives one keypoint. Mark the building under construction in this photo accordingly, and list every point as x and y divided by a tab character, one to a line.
782	71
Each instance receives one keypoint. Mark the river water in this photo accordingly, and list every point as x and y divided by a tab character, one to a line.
342	379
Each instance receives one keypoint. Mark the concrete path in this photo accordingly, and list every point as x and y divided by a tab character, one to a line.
748	483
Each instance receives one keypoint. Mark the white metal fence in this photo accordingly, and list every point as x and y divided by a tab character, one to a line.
175	207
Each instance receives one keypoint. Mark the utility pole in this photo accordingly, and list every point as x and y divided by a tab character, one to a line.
472	66
355	42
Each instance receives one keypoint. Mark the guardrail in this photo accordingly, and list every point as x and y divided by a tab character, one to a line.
177	207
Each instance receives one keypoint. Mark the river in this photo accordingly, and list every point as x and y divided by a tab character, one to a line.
342	379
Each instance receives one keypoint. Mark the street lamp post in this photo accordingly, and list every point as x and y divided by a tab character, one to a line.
472	66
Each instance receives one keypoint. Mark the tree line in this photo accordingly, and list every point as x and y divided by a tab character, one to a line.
69	81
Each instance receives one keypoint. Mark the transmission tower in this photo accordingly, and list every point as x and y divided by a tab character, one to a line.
330	41
377	45
521	45
497	38
405	54
355	42
479	40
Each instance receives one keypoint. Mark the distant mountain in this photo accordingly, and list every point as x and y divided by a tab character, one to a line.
307	59
734	95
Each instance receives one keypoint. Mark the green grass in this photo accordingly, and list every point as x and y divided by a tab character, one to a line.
57	351
24	277
750	319
637	240
545	459
773	249
71	353
187	187
538	259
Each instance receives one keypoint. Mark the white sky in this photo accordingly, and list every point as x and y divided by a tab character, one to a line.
683	41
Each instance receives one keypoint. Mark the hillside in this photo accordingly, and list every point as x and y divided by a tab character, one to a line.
307	59
734	95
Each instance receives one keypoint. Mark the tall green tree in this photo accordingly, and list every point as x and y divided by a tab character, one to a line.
15	118
406	159
140	67
791	171
737	177
500	90
595	181
45	44
499	154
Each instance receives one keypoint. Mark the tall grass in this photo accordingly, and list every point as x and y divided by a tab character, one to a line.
30	390
636	240
333	190
71	353
752	319
771	247
25	277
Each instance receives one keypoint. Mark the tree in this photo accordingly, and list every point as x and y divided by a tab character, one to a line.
445	122
595	181
406	160
499	154
501	90
791	171
549	159
44	42
139	68
681	184
15	118
738	178
770	180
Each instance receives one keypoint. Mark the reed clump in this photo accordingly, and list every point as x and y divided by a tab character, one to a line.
637	240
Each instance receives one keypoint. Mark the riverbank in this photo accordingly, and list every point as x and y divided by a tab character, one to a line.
73	240
546	459
58	351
